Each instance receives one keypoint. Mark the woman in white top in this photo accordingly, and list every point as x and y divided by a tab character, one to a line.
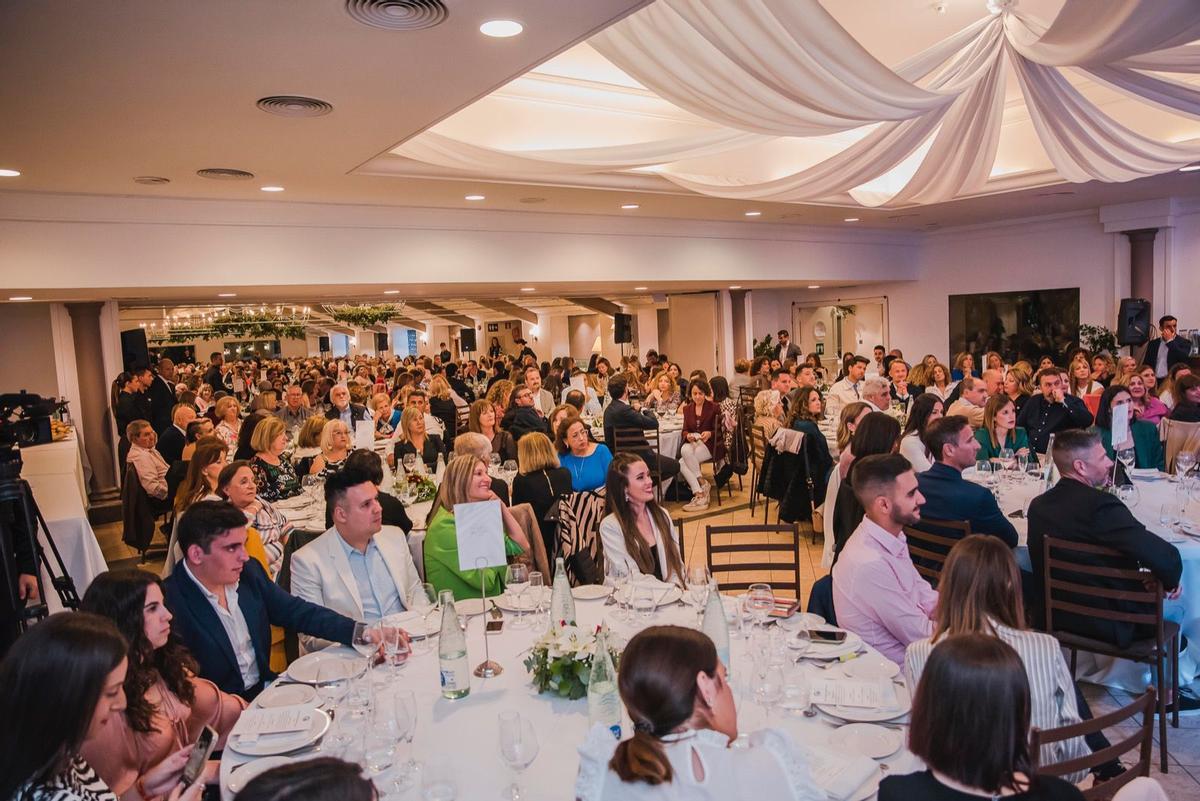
637	531
979	592
940	384
926	408
1079	382
229	421
684	718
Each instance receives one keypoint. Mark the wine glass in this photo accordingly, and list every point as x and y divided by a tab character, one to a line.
403	708
332	683
364	640
768	685
396	648
518	748
1128	494
494	464
409	462
1008	460
537	585
379	741
1127	457
1184	462
616	575
698	587
983	468
510	470
761	602
516	582
1022	464
311	486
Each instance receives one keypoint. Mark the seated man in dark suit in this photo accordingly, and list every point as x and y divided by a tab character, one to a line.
172	438
1051	410
1074	509
523	415
948	496
224	604
620	414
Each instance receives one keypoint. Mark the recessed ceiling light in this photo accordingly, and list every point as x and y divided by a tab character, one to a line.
475	197
850	219
21	297
151	180
501	28
736	286
226	294
391	291
529	289
814	286
6	173
630	206
754	214
1188	168
640	288
272	188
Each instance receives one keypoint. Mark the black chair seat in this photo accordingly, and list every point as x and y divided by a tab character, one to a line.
1139	650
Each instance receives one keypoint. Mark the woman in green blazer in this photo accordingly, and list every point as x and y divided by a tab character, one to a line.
1000	430
1143	436
466	480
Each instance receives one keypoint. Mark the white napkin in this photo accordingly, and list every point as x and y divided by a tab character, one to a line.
840	776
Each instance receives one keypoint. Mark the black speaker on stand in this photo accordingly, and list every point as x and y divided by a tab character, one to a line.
466	340
134	352
622	328
1133	322
381	342
323	344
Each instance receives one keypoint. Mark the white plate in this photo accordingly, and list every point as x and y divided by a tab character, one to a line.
276	744
240	776
307	669
857	714
1147	474
527	603
867	739
590	592
800	620
815	649
287	695
869	788
870	667
472	606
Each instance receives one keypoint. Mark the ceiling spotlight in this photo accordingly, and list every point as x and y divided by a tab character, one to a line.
5	173
1188	168
529	289
501	28
630	206
474	197
272	189
226	294
151	180
754	214
391	291
640	288
21	297
814	286
850	219
735	286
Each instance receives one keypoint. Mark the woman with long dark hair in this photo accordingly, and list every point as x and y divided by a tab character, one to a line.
970	726
1141	436
60	684
684	717
167	704
637	531
925	409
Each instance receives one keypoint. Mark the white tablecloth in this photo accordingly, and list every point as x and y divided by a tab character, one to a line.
55	473
466	729
80	552
1152	495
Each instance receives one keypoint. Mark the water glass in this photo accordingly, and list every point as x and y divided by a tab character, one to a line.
396	648
332	685
1184	462
698	589
537	586
516	582
1022	464
983	468
425	603
518	748
439	780
403	708
1167	514
797	689
768	686
616	575
1007	459
761	601
1128	493
644	602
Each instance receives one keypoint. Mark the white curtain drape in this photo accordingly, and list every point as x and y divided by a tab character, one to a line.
763	69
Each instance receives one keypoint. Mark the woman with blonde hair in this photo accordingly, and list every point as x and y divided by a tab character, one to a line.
1079	379
663	392
540	482
275	476
850	416
979	592
441	405
416	440
768	411
381	411
201	478
637	530
993	361
229	421
1018	385
483	420
466	481
964	365
308	442
204	398
335	447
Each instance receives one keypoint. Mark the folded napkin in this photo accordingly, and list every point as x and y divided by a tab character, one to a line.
645	580
294	502
839	775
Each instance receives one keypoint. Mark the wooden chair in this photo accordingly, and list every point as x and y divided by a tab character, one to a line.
1141	740
731	576
1143	589
639	441
928	550
462	420
679	540
1178	436
758	452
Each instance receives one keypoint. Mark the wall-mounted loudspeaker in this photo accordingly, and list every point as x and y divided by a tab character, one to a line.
134	352
622	328
466	340
381	342
323	345
1133	322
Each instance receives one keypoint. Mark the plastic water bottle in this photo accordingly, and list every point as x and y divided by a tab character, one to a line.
562	604
453	665
716	626
604	702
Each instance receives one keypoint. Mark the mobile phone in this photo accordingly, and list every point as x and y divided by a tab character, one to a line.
494	627
825	635
201	751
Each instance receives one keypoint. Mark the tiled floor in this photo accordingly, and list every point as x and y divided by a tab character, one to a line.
1182	782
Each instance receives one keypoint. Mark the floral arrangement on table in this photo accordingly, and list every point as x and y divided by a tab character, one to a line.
365	314
426	488
560	662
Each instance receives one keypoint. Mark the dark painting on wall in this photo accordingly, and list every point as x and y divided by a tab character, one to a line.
1017	325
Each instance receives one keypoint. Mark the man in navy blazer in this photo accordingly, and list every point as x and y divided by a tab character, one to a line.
948	496
225	604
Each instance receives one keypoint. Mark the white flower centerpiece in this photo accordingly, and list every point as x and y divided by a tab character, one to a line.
560	662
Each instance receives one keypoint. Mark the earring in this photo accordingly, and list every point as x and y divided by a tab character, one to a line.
627	497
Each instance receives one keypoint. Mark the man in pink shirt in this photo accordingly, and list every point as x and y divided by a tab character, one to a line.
877	593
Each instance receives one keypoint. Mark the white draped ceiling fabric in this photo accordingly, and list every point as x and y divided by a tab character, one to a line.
765	69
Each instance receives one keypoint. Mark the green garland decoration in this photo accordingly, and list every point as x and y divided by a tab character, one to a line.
364	315
234	323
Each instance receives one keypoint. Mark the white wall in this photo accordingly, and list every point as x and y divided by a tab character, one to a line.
28	361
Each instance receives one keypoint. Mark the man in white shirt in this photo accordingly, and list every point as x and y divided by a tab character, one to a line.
849	389
359	567
151	467
876	391
786	349
879	368
542	398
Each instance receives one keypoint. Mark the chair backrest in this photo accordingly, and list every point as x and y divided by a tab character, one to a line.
1064	573
579	516
1178	436
928	550
1139	739
462	420
732	573
758	444
296	540
635	439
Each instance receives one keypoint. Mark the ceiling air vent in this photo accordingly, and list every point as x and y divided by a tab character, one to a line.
151	180
224	174
533	200
294	106
398	15
1056	193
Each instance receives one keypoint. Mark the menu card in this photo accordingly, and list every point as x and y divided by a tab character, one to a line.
851	692
480	533
254	721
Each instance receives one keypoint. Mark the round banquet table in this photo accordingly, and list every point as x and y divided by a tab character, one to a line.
1014	495
463	733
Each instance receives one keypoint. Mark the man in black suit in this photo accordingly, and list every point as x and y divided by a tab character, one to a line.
523	416
786	349
212	376
224	604
160	396
1168	349
174	437
620	414
1074	509
340	408
457	384
1051	411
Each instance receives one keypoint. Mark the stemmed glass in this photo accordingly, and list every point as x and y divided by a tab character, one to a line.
332	684
1022	465
1008	460
1184	462
518	749
404	712
768	684
494	464
516	582
396	648
698	588
363	642
510	470
761	601
425	603
439	780
409	462
1127	457
379	740
537	585
616	575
